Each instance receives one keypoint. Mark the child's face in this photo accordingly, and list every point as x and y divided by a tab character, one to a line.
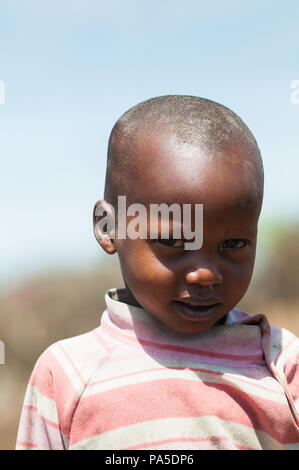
189	291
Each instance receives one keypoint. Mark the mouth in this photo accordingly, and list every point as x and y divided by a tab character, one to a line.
196	310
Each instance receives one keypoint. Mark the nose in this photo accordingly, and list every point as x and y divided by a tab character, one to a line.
204	276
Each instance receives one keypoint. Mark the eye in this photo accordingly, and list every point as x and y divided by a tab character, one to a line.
234	244
171	242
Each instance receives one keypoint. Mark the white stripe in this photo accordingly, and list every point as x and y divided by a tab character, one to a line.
45	406
250	386
67	367
184	428
281	344
290	354
85	352
128	364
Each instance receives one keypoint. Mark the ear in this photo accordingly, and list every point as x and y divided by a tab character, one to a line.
104	225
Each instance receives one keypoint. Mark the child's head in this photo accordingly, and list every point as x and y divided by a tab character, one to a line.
186	150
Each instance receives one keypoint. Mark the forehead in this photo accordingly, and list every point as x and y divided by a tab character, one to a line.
170	172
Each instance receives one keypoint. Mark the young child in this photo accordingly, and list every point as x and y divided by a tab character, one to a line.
173	365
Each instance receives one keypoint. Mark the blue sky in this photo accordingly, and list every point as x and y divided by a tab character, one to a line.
71	68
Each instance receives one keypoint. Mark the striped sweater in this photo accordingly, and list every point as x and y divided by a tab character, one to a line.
131	383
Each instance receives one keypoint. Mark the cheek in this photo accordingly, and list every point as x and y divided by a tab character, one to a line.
141	268
237	280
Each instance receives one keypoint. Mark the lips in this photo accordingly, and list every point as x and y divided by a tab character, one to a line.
197	309
200	301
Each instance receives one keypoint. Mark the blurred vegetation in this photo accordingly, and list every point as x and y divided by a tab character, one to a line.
46	308
274	289
38	312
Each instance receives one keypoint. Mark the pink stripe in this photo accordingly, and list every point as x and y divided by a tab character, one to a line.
34	429
26	444
35	409
188	350
292	376
66	397
129	374
102	341
41	377
163	399
61	391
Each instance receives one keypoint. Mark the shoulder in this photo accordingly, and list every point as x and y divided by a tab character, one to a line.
59	378
72	360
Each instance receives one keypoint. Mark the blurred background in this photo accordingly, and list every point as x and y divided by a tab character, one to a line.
68	70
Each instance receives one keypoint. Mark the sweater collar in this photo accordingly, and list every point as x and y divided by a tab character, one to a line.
240	336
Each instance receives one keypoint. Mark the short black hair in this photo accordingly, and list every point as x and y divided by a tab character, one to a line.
189	120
